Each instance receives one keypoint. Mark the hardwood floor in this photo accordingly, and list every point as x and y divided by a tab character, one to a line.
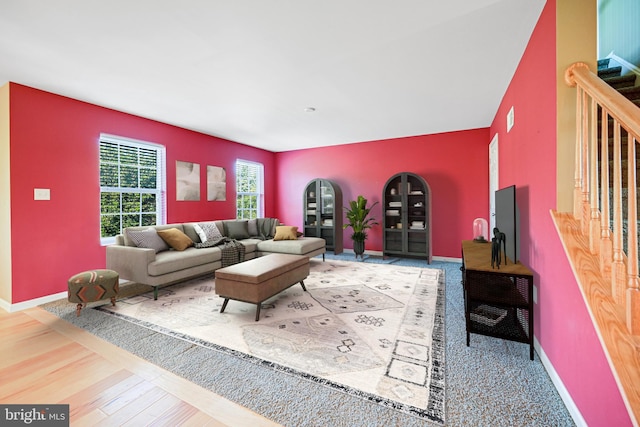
46	360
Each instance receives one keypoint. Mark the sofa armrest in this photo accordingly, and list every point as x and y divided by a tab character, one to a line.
131	263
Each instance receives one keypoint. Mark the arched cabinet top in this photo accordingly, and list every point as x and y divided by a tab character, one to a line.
415	181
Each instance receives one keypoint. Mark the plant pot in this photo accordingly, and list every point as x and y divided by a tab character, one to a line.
358	248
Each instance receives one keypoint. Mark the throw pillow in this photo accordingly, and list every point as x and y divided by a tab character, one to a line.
200	232
207	231
176	239
147	238
252	225
236	229
286	232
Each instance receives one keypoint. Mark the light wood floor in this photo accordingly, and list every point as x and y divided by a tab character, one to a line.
46	360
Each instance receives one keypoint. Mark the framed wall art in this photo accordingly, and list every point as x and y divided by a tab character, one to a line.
216	183
187	181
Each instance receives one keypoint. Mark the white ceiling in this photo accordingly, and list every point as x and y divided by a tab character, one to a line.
246	70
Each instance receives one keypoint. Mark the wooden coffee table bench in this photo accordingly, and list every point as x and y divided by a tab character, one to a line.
259	279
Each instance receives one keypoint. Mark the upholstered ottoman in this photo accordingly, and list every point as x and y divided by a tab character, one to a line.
93	285
259	279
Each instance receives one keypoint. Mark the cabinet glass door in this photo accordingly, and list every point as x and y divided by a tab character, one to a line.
310	210
327	205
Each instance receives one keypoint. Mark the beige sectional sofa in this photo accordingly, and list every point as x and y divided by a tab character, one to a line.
139	255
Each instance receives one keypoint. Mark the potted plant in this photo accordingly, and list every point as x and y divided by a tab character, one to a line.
359	220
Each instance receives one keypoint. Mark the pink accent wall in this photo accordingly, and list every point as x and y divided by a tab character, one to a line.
454	164
54	144
527	156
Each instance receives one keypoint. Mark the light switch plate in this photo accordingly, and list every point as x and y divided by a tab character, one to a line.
41	194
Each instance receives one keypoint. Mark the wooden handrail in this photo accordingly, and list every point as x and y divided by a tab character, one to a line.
619	107
605	222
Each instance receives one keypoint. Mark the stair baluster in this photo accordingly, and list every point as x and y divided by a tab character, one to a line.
606	192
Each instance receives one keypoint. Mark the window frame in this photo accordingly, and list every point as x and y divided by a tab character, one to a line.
160	189
259	194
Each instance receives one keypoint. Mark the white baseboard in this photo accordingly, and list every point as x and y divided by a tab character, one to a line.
447	259
31	303
559	385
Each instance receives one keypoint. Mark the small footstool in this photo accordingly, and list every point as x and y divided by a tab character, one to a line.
93	285
259	279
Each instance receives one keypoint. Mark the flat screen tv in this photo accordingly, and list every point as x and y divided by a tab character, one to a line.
508	220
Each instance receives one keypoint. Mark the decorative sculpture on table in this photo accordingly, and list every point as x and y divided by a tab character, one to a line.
498	239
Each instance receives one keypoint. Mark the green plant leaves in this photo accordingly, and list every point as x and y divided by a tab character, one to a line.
358	219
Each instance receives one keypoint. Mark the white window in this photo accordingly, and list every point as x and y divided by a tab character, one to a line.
249	190
132	185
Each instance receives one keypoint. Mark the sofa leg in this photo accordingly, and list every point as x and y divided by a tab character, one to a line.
322	257
258	306
78	308
155	293
224	305
302	284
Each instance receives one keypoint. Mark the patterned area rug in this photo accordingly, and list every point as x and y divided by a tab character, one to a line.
370	330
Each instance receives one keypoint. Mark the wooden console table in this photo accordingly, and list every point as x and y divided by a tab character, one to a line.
498	302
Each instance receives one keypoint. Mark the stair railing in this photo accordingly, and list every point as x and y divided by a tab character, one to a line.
599	176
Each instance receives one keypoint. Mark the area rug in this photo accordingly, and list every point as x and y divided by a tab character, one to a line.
374	331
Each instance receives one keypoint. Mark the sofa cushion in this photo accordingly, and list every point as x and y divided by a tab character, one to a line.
176	239
207	231
171	261
301	246
252	225
147	238
236	229
250	245
286	232
188	229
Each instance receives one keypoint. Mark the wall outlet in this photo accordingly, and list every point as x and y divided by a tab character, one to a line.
535	294
510	119
41	194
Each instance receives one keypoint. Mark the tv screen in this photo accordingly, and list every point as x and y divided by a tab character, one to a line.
508	220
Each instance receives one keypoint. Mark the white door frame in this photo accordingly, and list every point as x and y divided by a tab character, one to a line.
493	181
